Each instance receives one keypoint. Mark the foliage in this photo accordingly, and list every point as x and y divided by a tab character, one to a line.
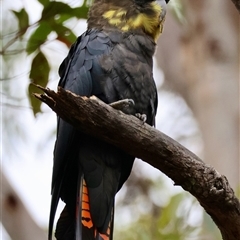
39	74
53	20
175	221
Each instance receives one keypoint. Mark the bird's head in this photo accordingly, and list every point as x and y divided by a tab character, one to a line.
136	16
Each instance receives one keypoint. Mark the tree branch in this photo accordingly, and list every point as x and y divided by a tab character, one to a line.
237	4
94	117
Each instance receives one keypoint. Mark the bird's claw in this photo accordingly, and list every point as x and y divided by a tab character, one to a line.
142	117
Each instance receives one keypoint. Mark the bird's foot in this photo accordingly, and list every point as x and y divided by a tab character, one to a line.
128	107
142	117
125	105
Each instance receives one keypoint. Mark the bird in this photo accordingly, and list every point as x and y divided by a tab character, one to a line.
112	60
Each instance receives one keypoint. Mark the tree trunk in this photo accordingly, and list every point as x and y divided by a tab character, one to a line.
201	62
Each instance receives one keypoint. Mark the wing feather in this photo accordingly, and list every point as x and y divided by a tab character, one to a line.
99	64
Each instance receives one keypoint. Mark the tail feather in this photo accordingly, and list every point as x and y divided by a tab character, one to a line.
81	227
65	226
85	223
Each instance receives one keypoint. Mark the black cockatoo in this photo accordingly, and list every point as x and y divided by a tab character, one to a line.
113	61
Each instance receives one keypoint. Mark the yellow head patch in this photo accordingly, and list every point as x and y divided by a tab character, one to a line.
151	24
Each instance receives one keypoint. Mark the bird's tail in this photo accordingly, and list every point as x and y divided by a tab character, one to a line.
82	227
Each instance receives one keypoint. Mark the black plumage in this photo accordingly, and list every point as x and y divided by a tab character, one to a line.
112	65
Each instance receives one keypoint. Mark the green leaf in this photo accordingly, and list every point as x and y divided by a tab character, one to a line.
55	8
44	2
39	75
38	37
81	12
65	35
23	20
62	11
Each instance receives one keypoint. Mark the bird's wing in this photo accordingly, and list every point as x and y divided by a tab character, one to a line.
75	73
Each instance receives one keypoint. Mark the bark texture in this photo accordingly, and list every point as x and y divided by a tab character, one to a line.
129	133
